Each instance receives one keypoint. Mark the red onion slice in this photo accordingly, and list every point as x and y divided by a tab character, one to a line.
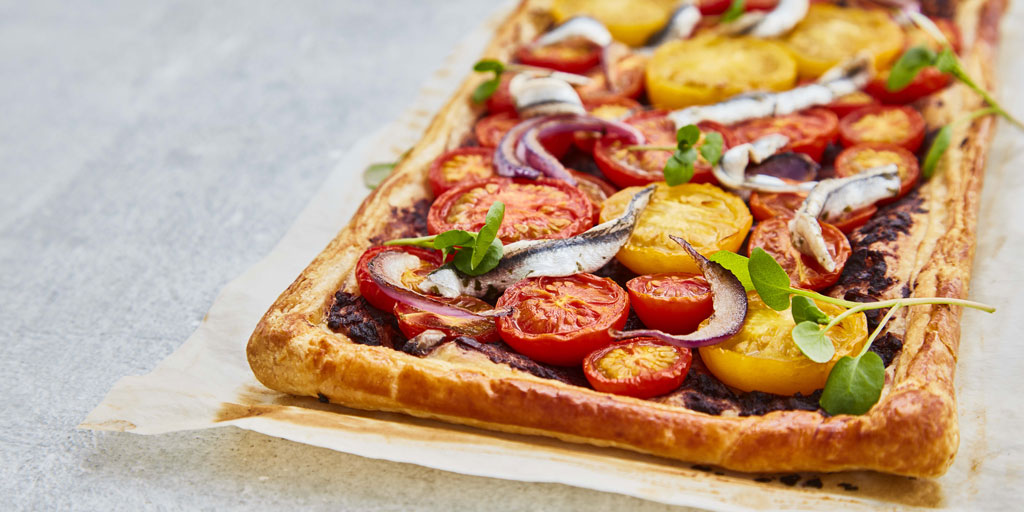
787	166
386	270
730	303
508	159
538	157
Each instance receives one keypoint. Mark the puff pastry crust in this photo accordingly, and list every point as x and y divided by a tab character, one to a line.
911	431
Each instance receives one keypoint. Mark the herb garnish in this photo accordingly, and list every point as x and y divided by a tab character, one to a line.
943	138
375	174
486	89
475	253
855	383
679	167
734	11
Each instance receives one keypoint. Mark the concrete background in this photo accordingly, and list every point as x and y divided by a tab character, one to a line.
149	153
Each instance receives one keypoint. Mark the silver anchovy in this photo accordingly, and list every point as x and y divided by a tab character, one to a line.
578	26
541	96
839	81
831	198
680	26
586	252
774	23
731	170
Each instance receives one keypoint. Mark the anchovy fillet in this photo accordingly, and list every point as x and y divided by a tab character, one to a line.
579	26
680	26
586	252
774	23
731	170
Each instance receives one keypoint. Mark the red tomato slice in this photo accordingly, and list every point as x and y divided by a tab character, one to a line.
611	108
773	236
460	166
929	81
641	368
502	100
629	81
559	320
675	303
534	209
429	260
850	102
492	128
859	158
902	126
809	131
765	206
716	7
574	55
637	168
413	321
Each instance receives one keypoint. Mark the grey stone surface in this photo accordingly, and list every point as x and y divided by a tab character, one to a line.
149	153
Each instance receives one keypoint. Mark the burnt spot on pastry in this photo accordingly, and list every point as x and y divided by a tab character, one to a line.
407	222
812	482
701	467
500	353
887	346
790	480
866	270
323	398
702	392
763	479
848	486
424	343
352	316
938	8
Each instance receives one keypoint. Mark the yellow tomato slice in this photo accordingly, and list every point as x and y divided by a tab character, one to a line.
763	356
629	21
709	69
708	217
831	34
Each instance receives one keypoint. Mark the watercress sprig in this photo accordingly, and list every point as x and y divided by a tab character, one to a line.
943	139
679	167
734	11
475	253
486	89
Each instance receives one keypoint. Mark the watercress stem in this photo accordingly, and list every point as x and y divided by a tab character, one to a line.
825	298
420	241
878	329
642	147
962	75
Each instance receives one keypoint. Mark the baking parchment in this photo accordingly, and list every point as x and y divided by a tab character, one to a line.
207	383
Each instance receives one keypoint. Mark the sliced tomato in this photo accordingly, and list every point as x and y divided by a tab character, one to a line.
857	159
460	166
490	130
573	55
928	81
716	7
596	189
611	108
429	261
641	368
809	131
413	321
559	320
628	168
502	100
765	206
850	102
534	209
902	126
628	81
831	34
773	236
675	303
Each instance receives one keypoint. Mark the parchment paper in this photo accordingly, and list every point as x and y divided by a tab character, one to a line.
207	382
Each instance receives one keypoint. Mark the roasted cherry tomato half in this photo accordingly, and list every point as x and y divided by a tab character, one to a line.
641	368
611	109
573	55
850	102
502	100
716	7
627	81
765	206
804	271
809	131
859	158
460	165
413	321
902	126
675	303
830	34
928	81
559	320
596	189
763	356
534	209
629	21
627	168
708	217
429	261
492	128
707	69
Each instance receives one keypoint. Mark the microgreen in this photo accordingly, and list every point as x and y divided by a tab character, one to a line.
805	310
770	281
486	89
375	174
475	253
679	167
734	11
908	66
736	264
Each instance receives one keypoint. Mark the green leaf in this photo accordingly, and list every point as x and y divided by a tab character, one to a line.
946	61
454	238
489	65
734	11
908	66
711	149
487	234
854	385
736	264
935	152
490	260
687	136
485	90
375	174
426	242
679	167
770	281
805	310
812	341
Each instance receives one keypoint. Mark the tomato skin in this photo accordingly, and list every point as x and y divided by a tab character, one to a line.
413	321
368	287
716	7
851	102
570	56
847	164
543	208
774	237
809	131
603	108
928	81
675	303
559	320
469	164
647	376
629	81
899	125
765	206
855	219
502	100
490	130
